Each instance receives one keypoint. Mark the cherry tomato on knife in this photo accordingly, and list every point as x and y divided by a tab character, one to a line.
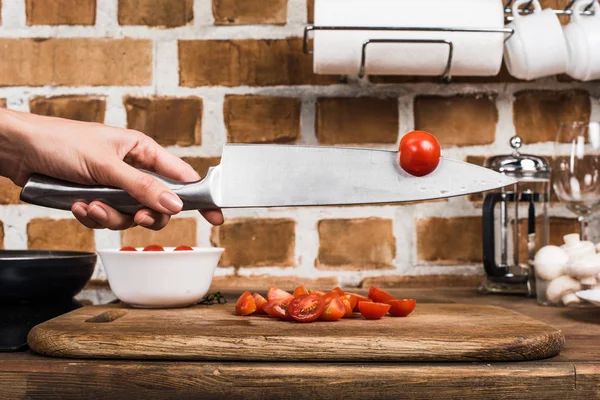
373	310
306	307
128	248
183	248
154	247
402	307
245	305
419	153
260	303
379	296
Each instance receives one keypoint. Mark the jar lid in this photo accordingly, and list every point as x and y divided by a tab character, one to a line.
520	166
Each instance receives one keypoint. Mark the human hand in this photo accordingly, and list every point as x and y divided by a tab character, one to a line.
91	153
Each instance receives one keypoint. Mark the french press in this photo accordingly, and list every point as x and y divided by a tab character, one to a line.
515	222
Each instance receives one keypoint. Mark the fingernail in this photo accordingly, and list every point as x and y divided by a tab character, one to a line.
146	221
171	202
79	210
98	213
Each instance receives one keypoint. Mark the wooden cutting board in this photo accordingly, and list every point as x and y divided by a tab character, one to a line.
434	332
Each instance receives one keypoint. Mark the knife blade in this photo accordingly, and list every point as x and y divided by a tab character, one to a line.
288	176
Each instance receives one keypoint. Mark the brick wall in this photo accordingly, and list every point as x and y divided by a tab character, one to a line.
194	74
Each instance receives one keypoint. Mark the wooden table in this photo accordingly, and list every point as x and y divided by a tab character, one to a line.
575	374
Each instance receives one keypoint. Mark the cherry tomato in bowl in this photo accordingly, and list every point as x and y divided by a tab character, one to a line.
154	247
183	248
419	153
128	248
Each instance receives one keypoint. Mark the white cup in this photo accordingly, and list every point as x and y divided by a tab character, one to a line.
582	36
537	48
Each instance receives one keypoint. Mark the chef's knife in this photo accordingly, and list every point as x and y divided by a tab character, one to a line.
286	176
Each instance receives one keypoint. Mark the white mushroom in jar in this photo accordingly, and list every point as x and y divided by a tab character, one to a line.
562	289
550	262
576	249
585	269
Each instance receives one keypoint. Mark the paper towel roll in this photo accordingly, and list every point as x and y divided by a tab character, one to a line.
475	54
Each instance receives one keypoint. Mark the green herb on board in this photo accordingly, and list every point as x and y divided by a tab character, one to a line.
215	298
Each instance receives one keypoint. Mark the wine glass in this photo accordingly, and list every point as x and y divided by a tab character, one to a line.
576	169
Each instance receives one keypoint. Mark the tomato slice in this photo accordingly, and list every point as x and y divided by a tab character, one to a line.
373	310
183	248
128	248
357	298
379	296
154	247
260	303
300	290
419	153
245	305
347	305
339	291
334	309
306	307
278	308
318	292
402	307
276	293
353	300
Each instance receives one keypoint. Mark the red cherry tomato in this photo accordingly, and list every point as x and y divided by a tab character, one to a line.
306	307
154	247
334	309
402	307
300	290
353	300
373	310
357	298
419	153
379	296
128	248
260	303
279	308
276	293
348	306
245	304
183	248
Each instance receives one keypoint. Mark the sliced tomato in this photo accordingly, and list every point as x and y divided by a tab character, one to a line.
300	290
348	306
276	293
318	292
154	247
260	303
402	307
334	309
339	291
353	301
183	248
379	296
373	310
357	298
128	248
245	305
278	308
306	307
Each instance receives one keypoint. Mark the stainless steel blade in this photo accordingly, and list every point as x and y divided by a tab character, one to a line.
282	176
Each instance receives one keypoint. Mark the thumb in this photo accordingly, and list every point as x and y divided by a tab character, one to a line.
143	187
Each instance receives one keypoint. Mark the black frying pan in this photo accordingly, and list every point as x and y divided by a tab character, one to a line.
31	275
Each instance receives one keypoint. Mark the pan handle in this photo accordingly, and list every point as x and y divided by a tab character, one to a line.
55	193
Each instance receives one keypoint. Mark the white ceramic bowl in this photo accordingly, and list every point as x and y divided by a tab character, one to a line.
160	279
590	295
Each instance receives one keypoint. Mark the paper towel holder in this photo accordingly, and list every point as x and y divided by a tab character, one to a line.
446	76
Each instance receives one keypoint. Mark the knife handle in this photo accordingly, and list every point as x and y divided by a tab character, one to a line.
55	193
